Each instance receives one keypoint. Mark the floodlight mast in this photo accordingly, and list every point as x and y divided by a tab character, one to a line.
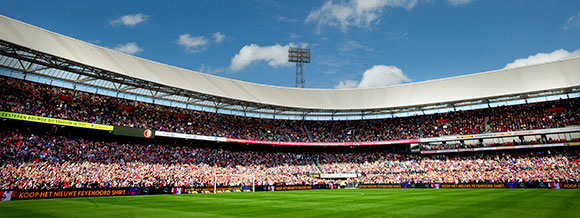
299	56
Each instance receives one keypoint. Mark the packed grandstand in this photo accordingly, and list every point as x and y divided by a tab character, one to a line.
41	160
525	142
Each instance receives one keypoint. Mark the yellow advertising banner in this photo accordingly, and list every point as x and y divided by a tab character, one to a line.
38	119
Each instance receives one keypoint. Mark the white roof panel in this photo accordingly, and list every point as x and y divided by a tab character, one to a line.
550	76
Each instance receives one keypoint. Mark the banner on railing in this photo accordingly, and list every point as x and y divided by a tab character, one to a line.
133	132
370	143
502	134
328	144
8	195
48	120
339	175
500	148
545	185
38	194
189	136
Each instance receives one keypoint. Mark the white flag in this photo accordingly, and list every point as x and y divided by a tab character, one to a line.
6	195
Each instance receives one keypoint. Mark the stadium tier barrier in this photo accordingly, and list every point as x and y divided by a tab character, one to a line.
9	195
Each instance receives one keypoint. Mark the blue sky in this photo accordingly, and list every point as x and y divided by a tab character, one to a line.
353	43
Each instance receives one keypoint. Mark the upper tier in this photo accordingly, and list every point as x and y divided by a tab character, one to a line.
20	96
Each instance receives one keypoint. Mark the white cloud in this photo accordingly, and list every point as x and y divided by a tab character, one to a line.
95	41
275	55
398	36
129	20
332	61
199	43
285	19
192	44
210	70
129	48
294	36
573	22
540	58
218	37
346	84
457	3
381	75
353	45
358	13
376	76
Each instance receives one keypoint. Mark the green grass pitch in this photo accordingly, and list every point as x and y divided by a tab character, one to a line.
314	203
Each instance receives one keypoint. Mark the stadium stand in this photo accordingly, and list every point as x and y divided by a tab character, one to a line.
48	101
49	161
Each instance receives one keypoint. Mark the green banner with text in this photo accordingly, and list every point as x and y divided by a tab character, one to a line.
38	119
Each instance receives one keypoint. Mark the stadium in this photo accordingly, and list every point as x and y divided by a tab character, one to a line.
88	131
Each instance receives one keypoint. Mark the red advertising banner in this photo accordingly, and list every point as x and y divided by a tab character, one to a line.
393	142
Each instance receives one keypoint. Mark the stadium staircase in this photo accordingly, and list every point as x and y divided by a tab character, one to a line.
318	166
308	132
486	122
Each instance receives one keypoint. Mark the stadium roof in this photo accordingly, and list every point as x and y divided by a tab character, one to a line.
30	49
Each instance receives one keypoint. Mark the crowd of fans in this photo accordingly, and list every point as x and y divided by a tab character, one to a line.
32	161
43	100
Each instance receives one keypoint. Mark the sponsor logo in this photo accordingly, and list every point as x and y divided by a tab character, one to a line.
70	193
134	191
147	133
465	137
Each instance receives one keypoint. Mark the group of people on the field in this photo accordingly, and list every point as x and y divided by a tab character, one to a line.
29	161
44	100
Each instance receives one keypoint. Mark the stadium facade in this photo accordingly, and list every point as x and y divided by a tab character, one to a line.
130	117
